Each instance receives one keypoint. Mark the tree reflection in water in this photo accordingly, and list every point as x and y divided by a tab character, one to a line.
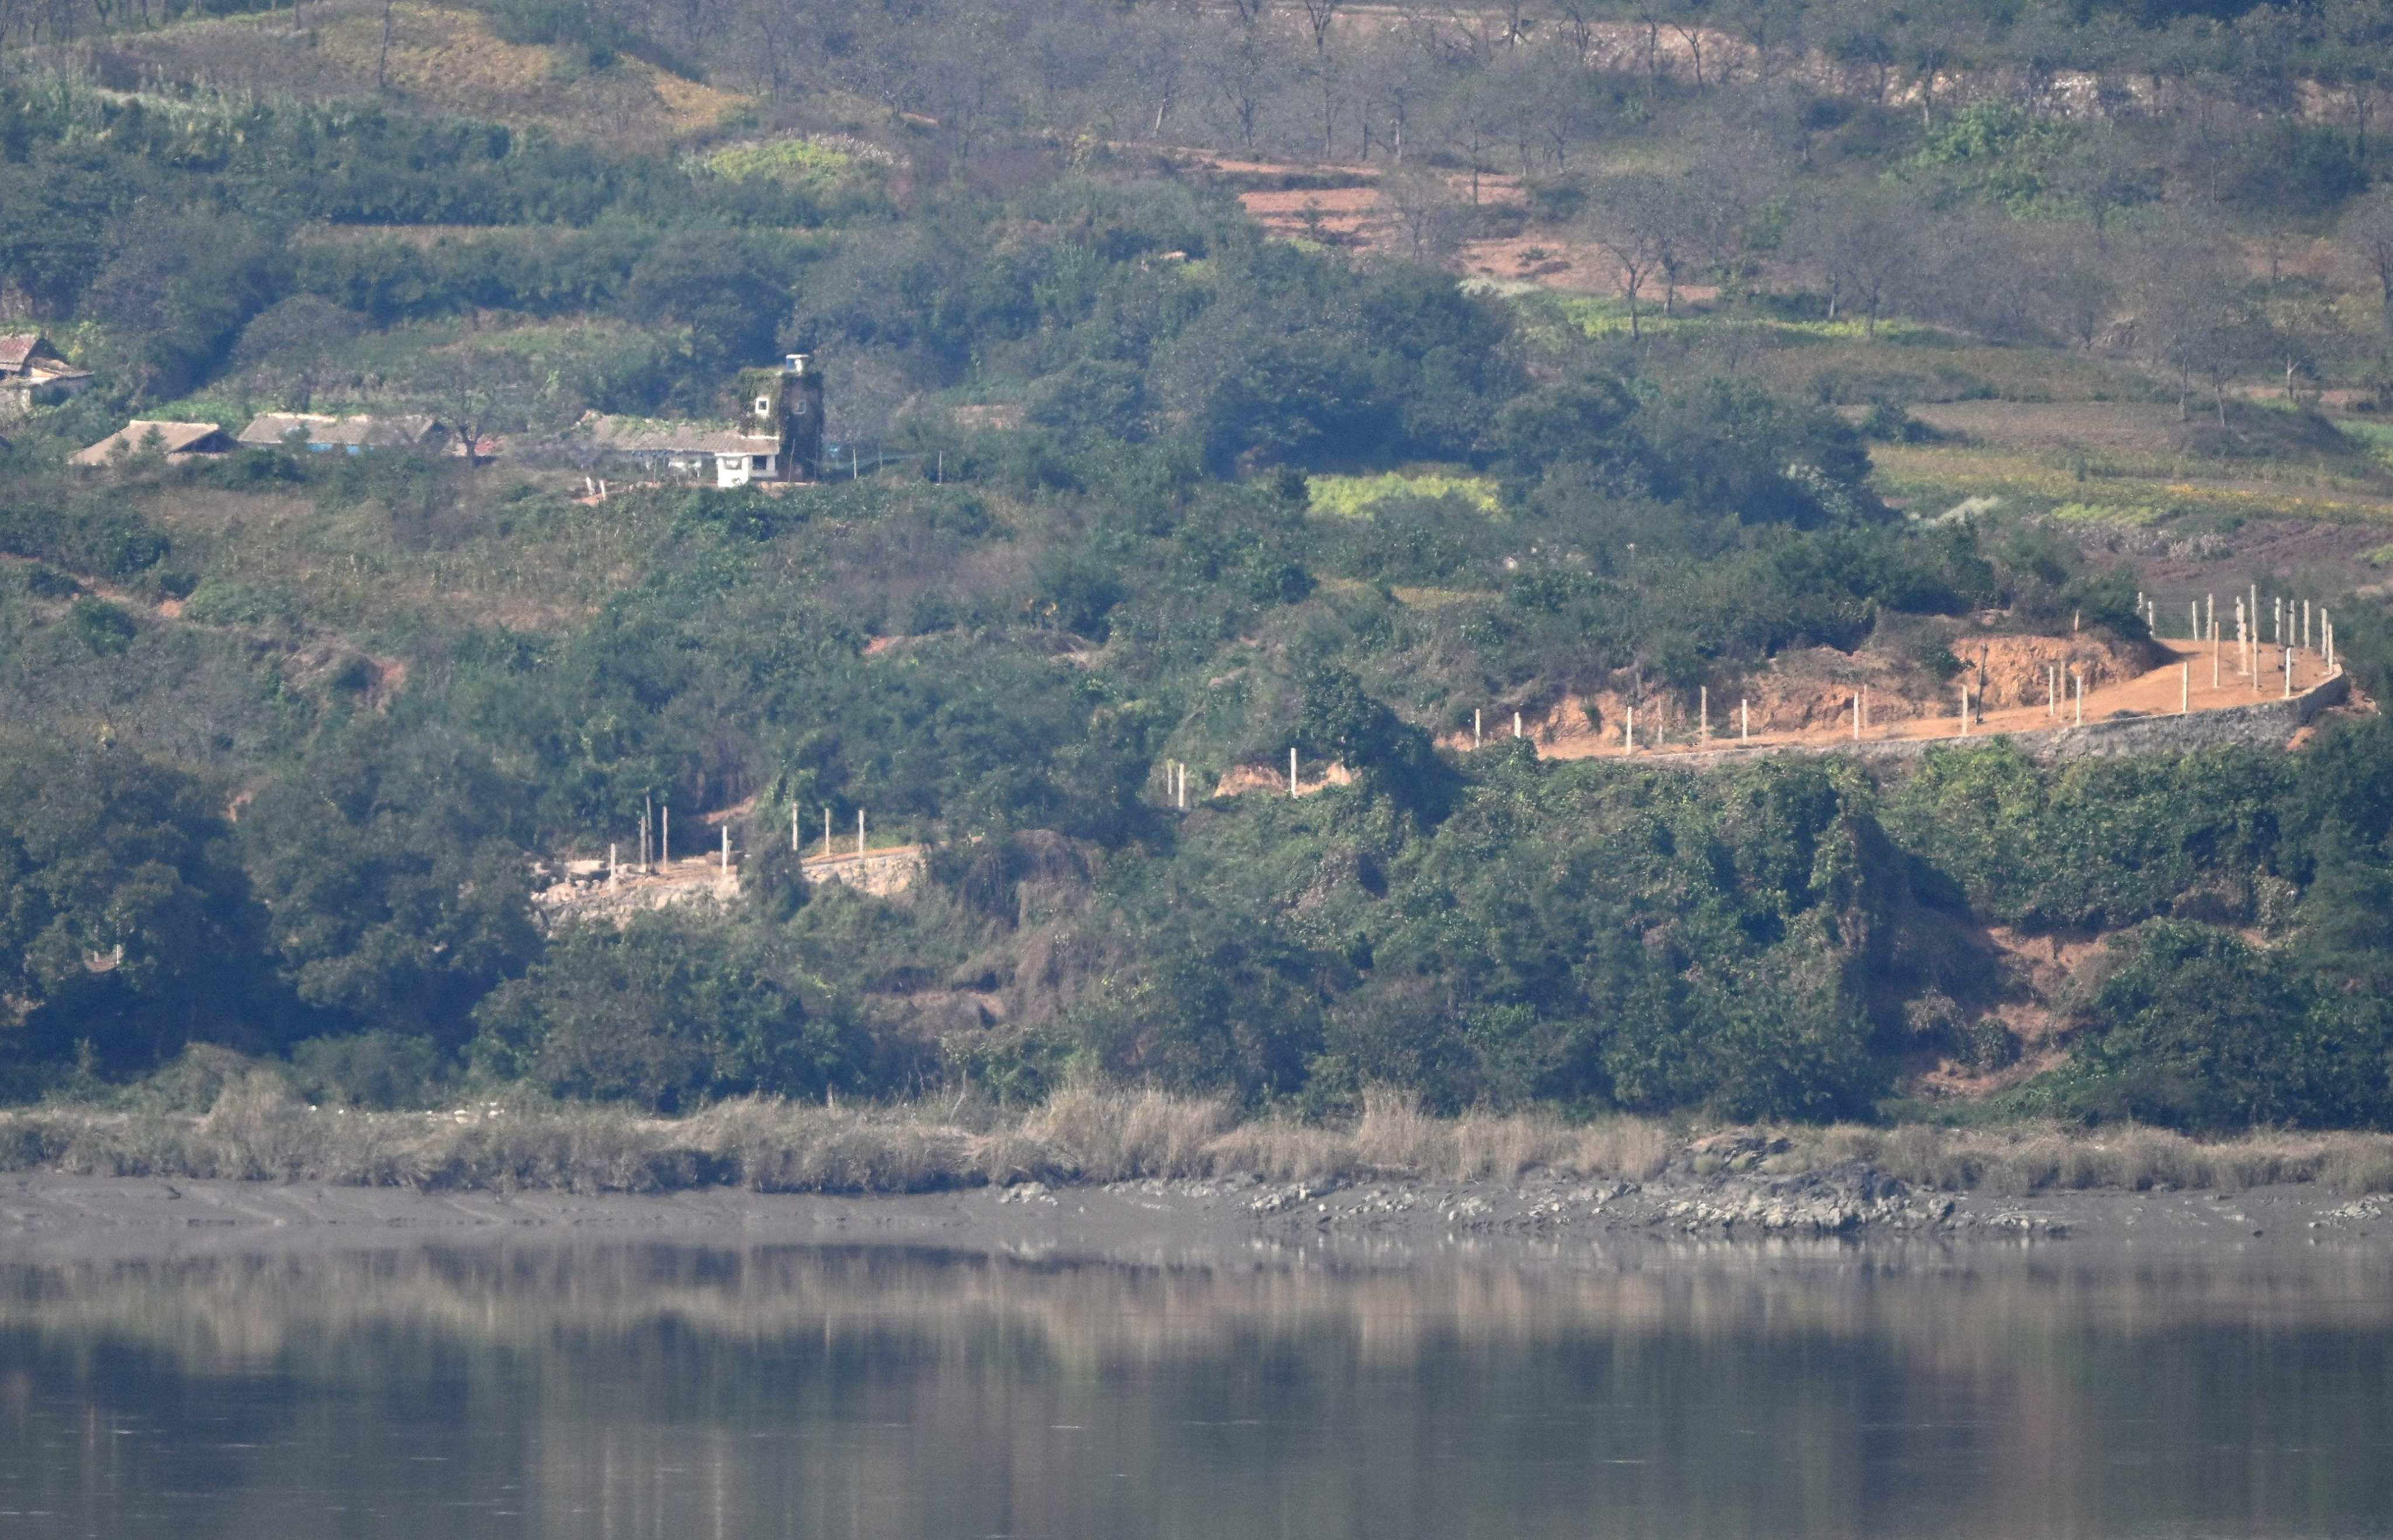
684	1392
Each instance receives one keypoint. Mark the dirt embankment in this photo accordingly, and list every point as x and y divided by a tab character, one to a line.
1241	779
1808	695
1809	702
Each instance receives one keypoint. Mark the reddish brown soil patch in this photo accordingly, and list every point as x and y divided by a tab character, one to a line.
1807	708
1240	779
2036	971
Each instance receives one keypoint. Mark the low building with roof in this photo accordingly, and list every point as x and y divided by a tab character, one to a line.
321	434
33	373
176	441
778	435
688	451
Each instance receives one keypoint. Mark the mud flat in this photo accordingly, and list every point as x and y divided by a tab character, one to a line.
52	1218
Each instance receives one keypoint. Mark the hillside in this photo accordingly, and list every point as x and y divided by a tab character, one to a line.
434	60
1163	438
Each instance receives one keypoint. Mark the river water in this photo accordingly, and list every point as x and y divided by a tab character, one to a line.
687	1392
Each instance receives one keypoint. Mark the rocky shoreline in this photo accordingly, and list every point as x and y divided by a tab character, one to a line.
48	1216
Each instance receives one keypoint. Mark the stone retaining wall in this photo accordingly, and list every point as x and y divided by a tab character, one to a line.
879	872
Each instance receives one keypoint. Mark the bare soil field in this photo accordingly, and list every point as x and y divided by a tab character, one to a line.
2135	427
2253	552
1358	218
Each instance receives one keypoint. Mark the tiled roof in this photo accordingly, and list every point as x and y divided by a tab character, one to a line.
173	438
272	428
638	436
30	353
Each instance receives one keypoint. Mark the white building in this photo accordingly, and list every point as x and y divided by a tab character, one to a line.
777	435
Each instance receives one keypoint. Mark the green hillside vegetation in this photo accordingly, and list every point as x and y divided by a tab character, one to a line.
1131	483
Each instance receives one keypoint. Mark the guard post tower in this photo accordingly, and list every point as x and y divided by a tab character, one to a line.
786	404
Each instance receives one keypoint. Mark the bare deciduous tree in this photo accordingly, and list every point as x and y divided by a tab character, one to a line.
2367	228
1624	218
1430	224
2195	317
1863	244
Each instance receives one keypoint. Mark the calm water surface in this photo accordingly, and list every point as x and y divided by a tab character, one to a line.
794	1390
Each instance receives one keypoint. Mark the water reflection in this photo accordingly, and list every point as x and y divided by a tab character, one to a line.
684	1392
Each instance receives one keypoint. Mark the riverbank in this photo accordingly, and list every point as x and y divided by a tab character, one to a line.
1093	1168
45	1216
252	1129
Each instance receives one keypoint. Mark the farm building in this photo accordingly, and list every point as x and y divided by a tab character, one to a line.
777	435
321	435
176	441
33	373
